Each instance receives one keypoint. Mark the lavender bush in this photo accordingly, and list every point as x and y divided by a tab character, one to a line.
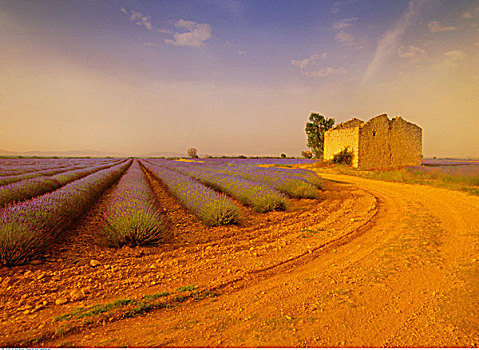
11	167
287	182
297	183
5	180
211	207
261	197
258	161
27	228
131	218
29	188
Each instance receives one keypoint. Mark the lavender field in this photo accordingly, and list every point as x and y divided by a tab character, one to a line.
41	198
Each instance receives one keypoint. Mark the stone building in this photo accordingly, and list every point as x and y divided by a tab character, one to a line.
378	143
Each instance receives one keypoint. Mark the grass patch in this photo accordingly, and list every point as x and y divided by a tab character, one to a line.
155	296
142	308
94	310
412	175
205	295
187	288
312	231
127	308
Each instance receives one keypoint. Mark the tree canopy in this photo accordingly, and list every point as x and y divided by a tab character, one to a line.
315	129
192	152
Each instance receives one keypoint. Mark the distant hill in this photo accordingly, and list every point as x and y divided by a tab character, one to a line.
85	153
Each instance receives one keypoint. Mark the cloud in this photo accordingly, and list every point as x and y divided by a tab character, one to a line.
436	27
454	56
338	6
235	8
344	23
312	66
412	53
139	18
193	35
470	14
342	36
389	42
345	38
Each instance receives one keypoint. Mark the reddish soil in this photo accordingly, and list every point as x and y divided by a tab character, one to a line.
369	264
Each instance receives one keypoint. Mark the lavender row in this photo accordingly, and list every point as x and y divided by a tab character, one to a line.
258	161
6	180
22	167
8	176
262	198
29	188
27	228
465	170
212	208
25	166
288	181
131	217
308	175
293	186
235	165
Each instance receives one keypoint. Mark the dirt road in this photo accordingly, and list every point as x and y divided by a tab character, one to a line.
372	264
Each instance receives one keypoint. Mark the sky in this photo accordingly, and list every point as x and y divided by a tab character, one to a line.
232	77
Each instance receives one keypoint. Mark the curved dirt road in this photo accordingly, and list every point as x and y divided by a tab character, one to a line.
400	268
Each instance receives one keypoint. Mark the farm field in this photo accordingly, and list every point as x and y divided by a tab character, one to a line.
330	260
454	174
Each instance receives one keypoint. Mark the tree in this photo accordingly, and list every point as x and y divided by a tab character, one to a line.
283	155
192	152
315	130
307	154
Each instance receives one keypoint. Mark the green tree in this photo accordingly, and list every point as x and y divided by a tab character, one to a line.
315	130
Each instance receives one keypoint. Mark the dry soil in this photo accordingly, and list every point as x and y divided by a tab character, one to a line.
370	264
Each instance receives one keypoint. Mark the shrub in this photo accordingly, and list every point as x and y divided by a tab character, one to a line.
192	152
211	207
29	188
261	197
307	154
27	228
131	218
343	157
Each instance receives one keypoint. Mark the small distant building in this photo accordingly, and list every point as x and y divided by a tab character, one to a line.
378	143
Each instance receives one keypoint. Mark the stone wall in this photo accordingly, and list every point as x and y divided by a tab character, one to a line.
349	124
374	149
385	143
405	143
335	140
379	143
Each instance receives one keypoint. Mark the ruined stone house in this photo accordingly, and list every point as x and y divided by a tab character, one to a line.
378	143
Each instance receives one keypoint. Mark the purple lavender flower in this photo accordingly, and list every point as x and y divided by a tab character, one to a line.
5	180
289	181
211	207
132	218
27	228
26	189
260	196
